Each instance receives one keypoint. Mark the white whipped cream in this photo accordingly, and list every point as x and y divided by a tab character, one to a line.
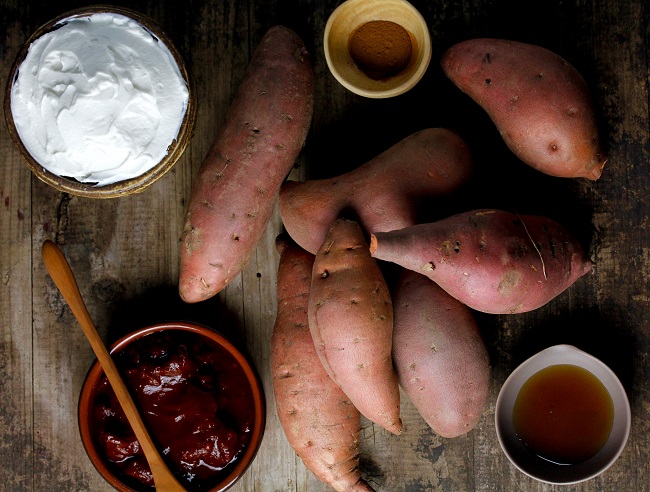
99	99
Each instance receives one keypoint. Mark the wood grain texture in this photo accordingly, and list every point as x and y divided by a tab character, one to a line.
125	251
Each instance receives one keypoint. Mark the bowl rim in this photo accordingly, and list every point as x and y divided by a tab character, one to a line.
95	372
124	187
397	90
605	458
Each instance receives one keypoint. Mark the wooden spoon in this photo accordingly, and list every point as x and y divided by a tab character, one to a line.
61	273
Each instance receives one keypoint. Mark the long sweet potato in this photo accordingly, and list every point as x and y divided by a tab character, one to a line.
539	102
385	193
351	321
492	260
318	419
238	183
440	356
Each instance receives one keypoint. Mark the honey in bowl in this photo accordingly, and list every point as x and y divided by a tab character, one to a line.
564	414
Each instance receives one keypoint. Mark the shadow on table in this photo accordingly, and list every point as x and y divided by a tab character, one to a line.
601	333
163	304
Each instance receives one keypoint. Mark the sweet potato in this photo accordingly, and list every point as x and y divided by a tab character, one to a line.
351	322
492	260
318	419
539	102
238	183
439	354
385	193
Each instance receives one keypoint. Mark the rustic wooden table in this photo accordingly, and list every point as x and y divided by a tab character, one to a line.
126	251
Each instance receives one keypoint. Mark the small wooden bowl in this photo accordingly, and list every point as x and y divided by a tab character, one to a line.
120	188
351	15
233	471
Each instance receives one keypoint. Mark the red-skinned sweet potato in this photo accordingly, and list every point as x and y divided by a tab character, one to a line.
351	322
238	183
384	193
492	260
318	419
539	102
439	354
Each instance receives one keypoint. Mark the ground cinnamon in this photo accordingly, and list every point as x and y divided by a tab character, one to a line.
380	48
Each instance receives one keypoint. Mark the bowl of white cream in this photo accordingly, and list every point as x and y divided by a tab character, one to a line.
99	102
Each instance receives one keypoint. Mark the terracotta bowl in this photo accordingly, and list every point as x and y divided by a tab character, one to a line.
128	186
352	14
92	402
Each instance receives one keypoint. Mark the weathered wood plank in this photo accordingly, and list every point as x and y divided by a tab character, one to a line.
125	252
16	392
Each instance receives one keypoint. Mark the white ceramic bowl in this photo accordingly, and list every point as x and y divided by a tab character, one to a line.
534	466
352	14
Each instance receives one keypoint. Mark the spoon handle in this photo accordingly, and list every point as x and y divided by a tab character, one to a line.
61	273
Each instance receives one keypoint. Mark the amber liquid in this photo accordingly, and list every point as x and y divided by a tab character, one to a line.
564	414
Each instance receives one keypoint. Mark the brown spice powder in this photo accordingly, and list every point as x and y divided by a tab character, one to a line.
380	49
